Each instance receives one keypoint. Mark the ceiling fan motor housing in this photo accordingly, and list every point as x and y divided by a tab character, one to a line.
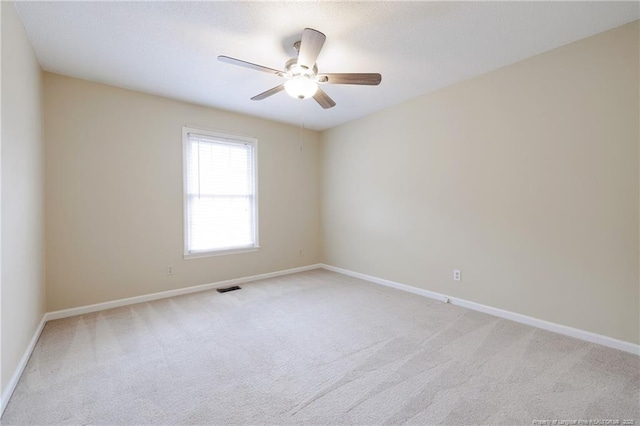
293	69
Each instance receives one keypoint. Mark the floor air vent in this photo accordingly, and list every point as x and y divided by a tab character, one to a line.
224	290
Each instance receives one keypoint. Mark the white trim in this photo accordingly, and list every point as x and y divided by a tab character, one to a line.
170	293
576	333
198	255
388	283
11	386
501	313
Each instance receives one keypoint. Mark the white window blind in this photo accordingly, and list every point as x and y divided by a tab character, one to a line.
220	193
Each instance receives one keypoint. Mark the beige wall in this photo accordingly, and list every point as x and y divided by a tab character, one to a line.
22	259
525	178
114	194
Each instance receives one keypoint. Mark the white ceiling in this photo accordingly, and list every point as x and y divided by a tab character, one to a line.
170	48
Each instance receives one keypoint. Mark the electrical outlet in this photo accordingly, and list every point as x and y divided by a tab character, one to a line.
457	275
169	270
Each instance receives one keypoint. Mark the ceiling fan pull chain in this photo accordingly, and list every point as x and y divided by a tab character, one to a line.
301	124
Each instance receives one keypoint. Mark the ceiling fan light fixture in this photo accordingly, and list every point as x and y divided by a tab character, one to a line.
301	87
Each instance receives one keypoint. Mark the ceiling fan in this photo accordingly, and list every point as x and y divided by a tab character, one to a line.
302	75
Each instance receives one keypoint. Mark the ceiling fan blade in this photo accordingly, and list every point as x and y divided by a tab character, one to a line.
245	64
367	79
323	99
310	46
268	93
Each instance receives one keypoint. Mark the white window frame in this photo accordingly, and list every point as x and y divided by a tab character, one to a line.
224	137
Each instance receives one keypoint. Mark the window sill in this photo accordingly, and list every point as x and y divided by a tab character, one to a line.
220	252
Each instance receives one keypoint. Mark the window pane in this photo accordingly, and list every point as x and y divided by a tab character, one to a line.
219	168
220	199
220	222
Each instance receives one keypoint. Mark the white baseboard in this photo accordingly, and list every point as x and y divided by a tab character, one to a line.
513	316
576	333
170	293
6	394
11	386
393	284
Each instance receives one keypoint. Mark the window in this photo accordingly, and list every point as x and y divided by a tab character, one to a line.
220	199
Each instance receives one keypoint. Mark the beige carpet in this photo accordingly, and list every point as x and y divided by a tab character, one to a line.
315	348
